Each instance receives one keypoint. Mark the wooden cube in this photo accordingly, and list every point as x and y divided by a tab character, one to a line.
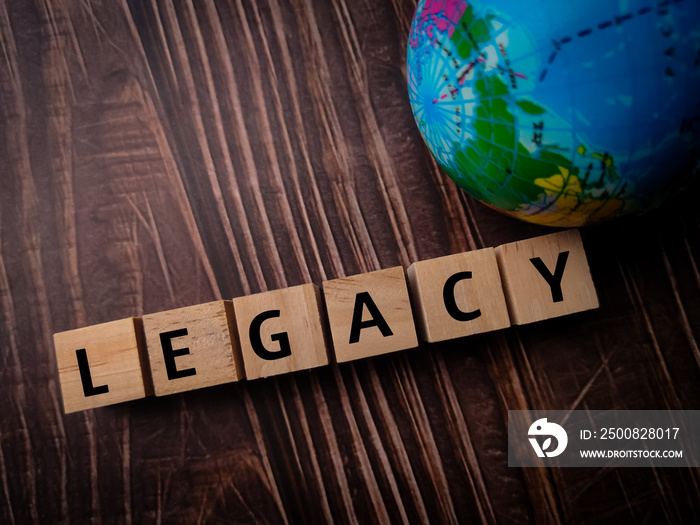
458	295
370	314
281	331
546	277
102	365
193	347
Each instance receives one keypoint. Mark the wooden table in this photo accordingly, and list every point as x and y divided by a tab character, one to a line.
162	154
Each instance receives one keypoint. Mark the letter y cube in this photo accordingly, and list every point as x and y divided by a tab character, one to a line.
546	277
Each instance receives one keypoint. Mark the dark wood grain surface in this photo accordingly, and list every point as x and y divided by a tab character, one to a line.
159	154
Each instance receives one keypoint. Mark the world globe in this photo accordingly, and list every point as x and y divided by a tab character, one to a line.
560	113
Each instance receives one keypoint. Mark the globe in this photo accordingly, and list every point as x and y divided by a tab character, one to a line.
560	113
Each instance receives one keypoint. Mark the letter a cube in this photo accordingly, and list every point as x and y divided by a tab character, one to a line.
370	314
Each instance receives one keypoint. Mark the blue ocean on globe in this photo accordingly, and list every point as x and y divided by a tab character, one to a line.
560	113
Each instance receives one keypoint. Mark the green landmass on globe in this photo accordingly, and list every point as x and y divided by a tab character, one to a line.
552	115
